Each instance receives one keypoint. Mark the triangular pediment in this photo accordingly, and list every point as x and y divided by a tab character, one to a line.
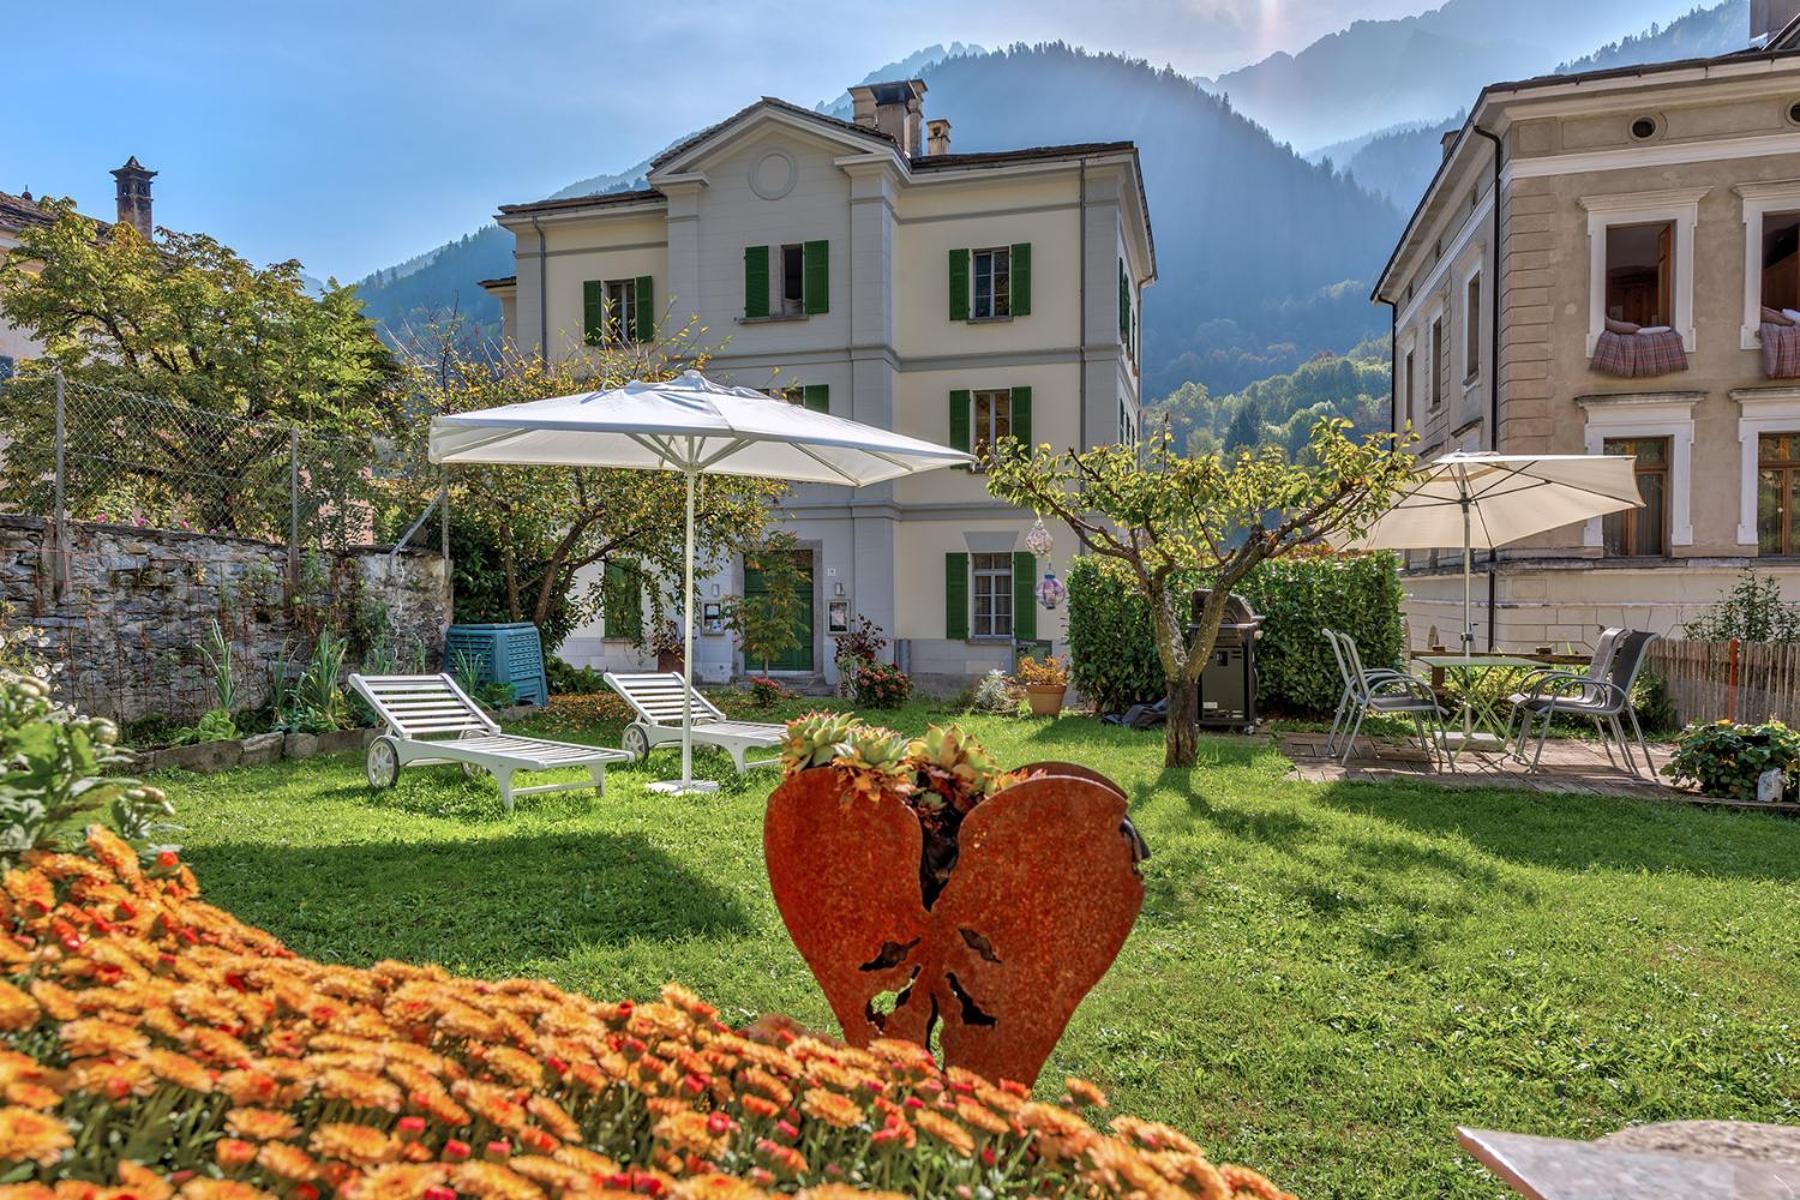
768	113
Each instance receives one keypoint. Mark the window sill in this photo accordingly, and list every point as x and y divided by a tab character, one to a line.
990	640
774	318
1002	319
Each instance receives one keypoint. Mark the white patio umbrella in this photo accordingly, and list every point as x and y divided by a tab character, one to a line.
1480	500
692	425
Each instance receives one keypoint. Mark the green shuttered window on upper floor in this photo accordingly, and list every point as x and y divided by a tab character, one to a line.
981	417
788	280
992	283
616	311
756	281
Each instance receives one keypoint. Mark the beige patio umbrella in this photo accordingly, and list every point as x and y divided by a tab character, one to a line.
1481	501
692	425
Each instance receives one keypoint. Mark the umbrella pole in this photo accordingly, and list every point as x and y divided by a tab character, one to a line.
687	639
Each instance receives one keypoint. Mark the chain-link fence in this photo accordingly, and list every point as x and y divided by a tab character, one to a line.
133	523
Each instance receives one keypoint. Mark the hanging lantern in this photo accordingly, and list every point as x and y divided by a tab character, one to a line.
1039	541
1050	591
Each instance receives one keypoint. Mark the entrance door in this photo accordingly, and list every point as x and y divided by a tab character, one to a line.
800	657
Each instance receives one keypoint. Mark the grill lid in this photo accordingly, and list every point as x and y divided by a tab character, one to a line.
1237	610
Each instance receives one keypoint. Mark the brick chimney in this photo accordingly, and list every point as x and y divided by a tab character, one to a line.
937	137
894	108
134	195
1770	17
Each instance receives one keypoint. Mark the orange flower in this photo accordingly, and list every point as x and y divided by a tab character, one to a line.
57	1002
18	1011
831	1108
491	1103
958	1139
554	1118
234	1153
179	1070
361	1145
758	1080
981	1117
248	1088
32	1095
1085	1093
359	1089
220	1189
287	1161
843	1191
29	1136
144	1183
689	1133
396	1182
493	1180
1244	1181
261	1124
25	1191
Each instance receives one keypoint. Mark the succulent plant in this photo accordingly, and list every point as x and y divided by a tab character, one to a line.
813	740
956	766
875	762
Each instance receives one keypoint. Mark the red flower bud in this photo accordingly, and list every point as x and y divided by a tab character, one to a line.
410	1127
455	1151
167	859
719	1124
440	1193
498	1149
557	1065
787	1130
988	1156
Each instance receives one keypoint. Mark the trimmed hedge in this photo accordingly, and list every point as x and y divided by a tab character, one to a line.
1113	653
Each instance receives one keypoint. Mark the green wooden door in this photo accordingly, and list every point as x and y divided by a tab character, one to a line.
800	658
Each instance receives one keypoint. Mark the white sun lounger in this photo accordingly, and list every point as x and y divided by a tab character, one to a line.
429	719
657	700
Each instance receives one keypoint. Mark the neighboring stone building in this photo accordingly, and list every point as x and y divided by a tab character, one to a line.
1647	196
21	211
862	268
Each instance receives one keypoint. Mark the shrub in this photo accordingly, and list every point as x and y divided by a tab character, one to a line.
1753	611
766	692
881	685
568	680
400	1080
1727	759
56	775
1113	653
996	693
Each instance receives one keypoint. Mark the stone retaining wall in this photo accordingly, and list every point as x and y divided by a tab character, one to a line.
125	635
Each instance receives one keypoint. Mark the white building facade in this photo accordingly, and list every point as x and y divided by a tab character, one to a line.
863	269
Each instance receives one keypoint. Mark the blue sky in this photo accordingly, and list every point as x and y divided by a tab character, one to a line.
351	135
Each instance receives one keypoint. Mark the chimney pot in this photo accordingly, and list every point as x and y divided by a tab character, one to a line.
133	194
939	141
1448	140
893	108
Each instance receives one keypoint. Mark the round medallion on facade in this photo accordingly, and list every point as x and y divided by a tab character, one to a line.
772	175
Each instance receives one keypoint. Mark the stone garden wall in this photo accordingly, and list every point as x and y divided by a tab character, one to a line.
125	629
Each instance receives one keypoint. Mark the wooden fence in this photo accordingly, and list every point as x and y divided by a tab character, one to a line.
1745	681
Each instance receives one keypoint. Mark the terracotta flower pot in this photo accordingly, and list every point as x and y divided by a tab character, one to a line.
1044	891
669	661
1046	699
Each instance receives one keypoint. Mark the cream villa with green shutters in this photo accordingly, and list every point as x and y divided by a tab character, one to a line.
861	268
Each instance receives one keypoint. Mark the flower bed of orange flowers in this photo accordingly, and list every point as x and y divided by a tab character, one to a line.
157	1047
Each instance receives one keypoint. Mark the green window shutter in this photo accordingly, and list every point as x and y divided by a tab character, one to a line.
1124	303
816	396
593	312
1024	599
817	276
1021	415
959	285
1021	279
959	420
756	281
956	595
646	310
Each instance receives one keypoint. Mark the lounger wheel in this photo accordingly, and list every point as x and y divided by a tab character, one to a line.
382	763
635	742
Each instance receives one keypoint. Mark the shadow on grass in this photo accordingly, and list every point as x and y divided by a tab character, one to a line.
485	904
1574	832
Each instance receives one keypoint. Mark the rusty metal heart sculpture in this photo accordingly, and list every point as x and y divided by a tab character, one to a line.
1043	893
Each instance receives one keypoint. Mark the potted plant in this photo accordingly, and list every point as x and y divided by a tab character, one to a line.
1046	681
666	644
933	893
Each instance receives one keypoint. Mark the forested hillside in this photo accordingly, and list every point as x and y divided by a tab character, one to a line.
1283	408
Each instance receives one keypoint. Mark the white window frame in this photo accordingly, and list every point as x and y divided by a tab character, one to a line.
1679	206
1760	199
993	313
1651	415
1471	329
1435	345
621	317
979	436
1408	383
780	308
1760	411
977	574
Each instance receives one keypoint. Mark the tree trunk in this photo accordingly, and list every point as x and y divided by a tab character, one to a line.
1181	733
509	563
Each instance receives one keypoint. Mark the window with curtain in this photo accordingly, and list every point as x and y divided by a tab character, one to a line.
1642	531
993	418
1781	260
993	293
993	598
1640	273
1777	490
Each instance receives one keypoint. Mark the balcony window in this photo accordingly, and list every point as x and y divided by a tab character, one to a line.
1640	273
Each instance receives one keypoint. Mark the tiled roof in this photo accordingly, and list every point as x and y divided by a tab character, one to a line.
501	282
837	123
599	200
1000	158
16	212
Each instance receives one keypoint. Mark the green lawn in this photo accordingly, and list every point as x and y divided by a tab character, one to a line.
1325	981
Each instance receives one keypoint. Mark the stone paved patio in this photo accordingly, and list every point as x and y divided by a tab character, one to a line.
1568	766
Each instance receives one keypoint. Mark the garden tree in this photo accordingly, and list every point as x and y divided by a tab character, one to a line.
541	525
1170	516
766	623
190	363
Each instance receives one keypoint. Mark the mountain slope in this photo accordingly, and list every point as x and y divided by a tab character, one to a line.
1380	73
1240	294
1701	33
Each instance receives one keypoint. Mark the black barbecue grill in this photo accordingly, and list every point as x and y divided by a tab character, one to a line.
1228	682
